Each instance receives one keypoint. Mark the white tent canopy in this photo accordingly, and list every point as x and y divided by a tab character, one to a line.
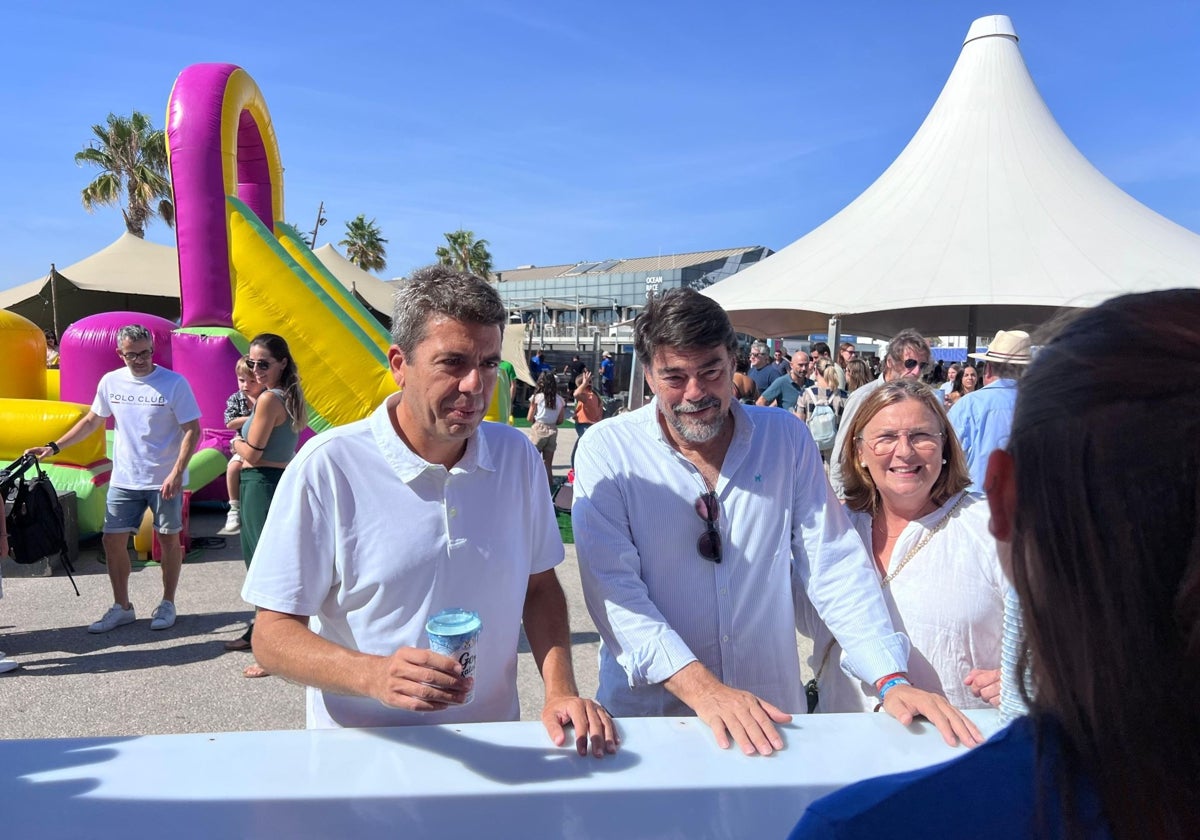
990	206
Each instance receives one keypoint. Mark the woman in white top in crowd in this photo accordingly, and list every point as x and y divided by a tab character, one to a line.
1102	542
905	492
546	411
951	377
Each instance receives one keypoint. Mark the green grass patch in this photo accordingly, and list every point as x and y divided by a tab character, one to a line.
564	528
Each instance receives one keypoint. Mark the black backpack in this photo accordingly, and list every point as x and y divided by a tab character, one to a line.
35	526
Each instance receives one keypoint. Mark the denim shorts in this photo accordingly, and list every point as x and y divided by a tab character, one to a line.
126	507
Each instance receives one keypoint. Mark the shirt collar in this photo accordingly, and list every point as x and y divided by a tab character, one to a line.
408	464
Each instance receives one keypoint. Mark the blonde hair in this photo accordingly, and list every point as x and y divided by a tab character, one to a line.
831	373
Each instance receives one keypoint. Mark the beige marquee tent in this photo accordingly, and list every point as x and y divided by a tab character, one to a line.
989	218
131	274
134	275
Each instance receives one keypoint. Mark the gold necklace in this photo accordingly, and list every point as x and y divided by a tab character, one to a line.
912	552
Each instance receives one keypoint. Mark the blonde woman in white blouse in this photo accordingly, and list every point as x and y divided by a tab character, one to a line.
905	493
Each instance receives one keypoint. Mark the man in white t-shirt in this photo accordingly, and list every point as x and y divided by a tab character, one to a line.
157	429
380	524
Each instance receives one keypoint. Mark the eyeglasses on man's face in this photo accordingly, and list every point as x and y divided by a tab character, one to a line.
916	364
918	439
259	364
139	356
709	544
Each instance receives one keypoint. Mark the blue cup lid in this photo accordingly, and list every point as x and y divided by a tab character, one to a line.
453	622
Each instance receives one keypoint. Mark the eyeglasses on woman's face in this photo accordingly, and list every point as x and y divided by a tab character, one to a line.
259	364
709	544
919	439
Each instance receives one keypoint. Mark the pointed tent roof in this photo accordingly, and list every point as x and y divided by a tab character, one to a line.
377	293
989	205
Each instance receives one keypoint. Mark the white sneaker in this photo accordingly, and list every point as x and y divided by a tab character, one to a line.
115	617
7	664
233	524
163	616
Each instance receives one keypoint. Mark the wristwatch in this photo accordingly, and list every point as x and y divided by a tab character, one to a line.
53	447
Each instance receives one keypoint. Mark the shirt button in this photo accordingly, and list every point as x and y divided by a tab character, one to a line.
454	511
724	591
725	638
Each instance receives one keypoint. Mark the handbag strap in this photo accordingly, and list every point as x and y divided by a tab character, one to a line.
912	552
889	578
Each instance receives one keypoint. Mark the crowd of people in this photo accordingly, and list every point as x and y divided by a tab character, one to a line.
951	537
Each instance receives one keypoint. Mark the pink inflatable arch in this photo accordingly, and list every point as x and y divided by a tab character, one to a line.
219	142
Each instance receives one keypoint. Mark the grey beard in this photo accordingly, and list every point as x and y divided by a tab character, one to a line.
694	432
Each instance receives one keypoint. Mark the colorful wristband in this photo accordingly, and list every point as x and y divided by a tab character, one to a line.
890	684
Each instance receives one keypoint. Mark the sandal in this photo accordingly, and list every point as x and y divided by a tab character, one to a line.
254	672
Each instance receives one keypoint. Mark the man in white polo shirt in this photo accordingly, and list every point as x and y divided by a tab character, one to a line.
157	429
380	524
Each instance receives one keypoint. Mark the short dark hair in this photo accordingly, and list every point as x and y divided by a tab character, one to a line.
861	493
681	319
441	290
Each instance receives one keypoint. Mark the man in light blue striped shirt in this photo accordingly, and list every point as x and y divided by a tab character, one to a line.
698	523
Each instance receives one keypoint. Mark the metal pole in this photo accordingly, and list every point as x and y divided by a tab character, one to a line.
320	221
972	327
54	300
835	335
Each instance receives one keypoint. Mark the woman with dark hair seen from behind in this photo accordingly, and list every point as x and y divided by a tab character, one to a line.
1101	539
858	374
546	411
906	480
267	443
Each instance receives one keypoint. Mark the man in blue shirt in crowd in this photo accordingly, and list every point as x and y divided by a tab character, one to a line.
786	390
983	419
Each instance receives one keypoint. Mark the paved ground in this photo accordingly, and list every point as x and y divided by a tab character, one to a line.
133	681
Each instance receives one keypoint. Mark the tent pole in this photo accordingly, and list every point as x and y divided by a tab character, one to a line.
54	301
835	335
972	327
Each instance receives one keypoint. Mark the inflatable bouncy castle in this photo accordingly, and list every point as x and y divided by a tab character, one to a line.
241	272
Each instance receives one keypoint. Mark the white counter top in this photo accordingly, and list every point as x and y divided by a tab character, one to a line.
476	781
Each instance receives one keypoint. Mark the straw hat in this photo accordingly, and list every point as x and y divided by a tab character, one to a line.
1007	348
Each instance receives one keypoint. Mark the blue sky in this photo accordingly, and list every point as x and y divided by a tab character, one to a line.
566	131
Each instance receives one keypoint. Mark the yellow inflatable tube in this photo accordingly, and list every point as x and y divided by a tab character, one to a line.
26	423
341	350
345	373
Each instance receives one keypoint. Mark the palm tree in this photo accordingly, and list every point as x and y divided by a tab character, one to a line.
364	245
466	253
132	155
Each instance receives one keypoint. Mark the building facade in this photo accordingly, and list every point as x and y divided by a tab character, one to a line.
579	300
